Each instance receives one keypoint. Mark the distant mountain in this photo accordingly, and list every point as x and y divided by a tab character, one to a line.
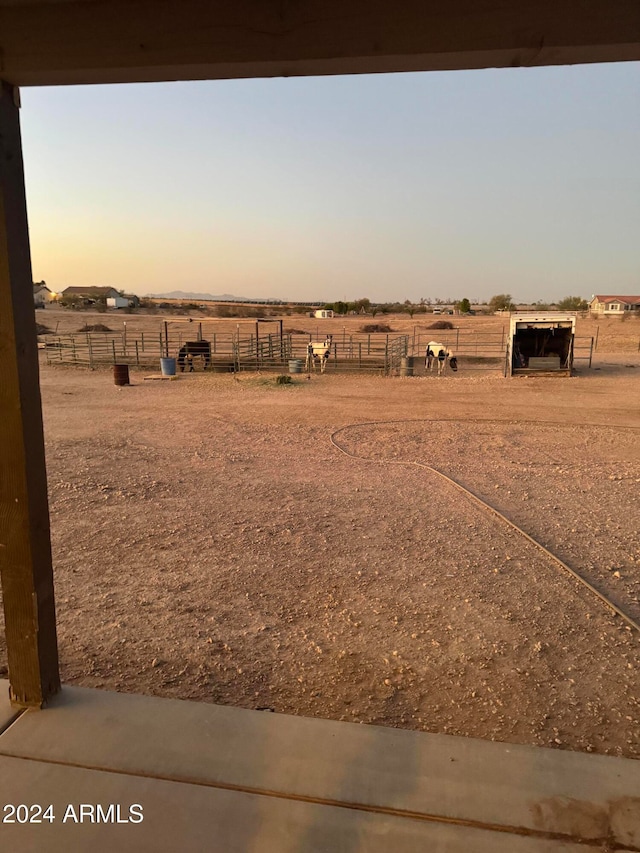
205	297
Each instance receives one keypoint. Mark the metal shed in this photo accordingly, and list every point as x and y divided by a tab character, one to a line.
540	343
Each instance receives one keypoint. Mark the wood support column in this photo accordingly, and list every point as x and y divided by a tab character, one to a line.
25	544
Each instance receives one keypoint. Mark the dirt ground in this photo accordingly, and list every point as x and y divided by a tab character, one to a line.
210	542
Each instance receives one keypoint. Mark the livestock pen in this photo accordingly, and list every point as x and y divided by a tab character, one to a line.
243	350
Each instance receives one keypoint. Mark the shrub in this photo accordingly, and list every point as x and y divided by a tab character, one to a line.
95	327
283	379
376	327
441	324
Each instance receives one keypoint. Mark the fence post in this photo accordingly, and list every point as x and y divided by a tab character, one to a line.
595	346
90	352
591	351
113	346
137	355
142	340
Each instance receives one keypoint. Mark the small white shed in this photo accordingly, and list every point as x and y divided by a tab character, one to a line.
540	343
323	314
117	301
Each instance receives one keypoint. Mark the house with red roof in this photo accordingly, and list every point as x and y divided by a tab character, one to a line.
614	306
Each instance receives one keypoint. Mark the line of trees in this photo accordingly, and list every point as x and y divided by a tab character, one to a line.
504	302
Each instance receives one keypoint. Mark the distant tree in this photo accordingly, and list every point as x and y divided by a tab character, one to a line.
573	303
464	306
362	306
501	302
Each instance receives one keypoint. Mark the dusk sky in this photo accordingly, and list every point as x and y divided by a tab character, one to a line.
392	187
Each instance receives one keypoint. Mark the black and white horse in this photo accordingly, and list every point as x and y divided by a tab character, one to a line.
191	350
318	353
439	354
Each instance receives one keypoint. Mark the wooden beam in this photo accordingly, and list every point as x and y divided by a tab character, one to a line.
101	41
25	545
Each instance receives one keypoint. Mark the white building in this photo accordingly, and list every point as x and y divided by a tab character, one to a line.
541	342
41	295
117	301
323	314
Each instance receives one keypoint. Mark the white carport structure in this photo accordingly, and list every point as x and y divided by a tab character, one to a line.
277	784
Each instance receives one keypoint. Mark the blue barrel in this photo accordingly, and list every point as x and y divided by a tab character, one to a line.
168	366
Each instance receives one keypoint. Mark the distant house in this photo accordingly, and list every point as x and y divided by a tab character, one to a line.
323	314
614	306
41	295
92	295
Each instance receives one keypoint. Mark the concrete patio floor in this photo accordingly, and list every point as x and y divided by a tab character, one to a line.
213	778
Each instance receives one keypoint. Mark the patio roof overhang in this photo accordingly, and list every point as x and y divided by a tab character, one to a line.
109	41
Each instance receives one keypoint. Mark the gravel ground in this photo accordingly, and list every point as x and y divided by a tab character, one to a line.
211	543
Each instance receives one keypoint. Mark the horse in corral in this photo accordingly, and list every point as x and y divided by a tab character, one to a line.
191	350
437	352
318	352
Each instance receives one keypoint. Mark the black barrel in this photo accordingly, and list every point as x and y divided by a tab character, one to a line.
121	374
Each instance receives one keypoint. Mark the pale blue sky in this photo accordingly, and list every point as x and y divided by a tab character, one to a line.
403	186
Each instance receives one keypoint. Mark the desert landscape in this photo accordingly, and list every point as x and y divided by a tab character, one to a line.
231	540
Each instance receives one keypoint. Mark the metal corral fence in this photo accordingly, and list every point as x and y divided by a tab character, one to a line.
474	350
482	350
229	351
235	351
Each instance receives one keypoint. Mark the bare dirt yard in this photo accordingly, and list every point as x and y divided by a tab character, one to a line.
210	542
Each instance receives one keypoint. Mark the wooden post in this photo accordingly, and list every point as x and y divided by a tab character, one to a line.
113	346
25	542
595	343
166	339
